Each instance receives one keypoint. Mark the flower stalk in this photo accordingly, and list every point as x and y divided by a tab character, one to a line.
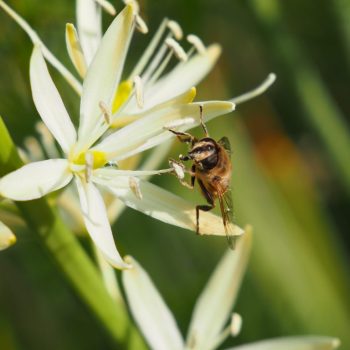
72	261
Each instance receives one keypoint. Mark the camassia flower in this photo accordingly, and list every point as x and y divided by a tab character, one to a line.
211	323
85	156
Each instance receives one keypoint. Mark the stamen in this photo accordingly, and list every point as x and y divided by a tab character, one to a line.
33	148
141	25
155	63
257	91
161	68
149	50
89	163
139	91
236	324
175	29
106	112
134	185
197	43
47	140
176	47
107	6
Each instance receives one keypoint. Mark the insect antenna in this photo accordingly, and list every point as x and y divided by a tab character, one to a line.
202	122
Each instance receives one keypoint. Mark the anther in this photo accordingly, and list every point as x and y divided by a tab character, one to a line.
197	43
106	112
177	49
89	163
107	6
175	29
141	26
236	324
139	90
134	185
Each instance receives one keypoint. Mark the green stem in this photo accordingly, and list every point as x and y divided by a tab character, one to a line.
71	259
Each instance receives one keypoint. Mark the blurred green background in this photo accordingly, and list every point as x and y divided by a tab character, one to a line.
291	174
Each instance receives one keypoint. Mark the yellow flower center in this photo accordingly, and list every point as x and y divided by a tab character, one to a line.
99	159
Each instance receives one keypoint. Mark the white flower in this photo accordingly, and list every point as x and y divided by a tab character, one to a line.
212	310
7	238
84	159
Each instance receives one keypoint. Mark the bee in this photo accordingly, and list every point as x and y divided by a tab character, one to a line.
211	166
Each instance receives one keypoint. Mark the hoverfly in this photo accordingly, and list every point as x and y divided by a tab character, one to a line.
212	168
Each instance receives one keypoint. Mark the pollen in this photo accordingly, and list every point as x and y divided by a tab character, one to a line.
122	94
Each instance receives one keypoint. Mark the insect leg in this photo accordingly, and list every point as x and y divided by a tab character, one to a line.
210	201
184	136
202	122
204	208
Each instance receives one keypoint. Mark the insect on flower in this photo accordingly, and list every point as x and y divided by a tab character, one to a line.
212	169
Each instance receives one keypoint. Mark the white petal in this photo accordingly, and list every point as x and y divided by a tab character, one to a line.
182	77
48	102
7	238
35	180
104	72
89	27
214	305
96	222
150	311
74	49
293	343
148	131
163	205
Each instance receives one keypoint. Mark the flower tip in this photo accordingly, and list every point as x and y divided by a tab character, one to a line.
7	237
192	93
214	51
336	343
236	324
128	259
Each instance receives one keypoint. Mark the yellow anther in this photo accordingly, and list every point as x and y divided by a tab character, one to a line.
122	94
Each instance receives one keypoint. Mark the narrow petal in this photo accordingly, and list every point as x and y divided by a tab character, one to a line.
35	180
150	311
7	238
96	222
74	49
104	71
293	343
149	130
75	84
182	77
48	102
259	90
89	22
214	305
163	205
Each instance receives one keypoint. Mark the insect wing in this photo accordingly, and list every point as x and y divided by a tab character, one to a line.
226	204
226	208
225	143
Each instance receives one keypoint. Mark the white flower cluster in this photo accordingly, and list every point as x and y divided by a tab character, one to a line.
119	119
